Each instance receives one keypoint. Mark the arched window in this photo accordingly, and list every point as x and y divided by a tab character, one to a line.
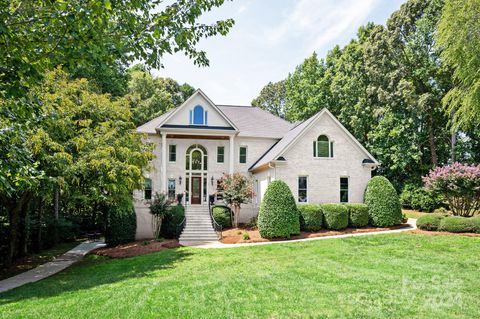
196	158
198	116
322	147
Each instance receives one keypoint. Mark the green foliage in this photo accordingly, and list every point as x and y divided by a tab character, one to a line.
458	224
441	210
171	220
121	223
311	217
430	221
272	98
459	41
383	203
335	216
418	198
222	216
237	189
252	223
151	97
278	215
357	215
245	236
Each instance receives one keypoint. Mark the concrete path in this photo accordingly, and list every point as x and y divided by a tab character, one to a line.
412	224
50	268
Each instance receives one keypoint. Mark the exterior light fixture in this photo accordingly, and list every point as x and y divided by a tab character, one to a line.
212	180
179	180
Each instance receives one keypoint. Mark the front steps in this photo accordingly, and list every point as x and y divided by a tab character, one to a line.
198	226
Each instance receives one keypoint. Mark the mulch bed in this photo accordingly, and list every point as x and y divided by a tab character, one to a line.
235	235
136	248
444	233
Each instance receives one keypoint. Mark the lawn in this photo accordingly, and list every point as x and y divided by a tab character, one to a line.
381	276
410	213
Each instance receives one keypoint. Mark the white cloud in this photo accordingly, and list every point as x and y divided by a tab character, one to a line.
319	22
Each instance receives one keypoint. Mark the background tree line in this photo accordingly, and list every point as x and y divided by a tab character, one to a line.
409	91
69	154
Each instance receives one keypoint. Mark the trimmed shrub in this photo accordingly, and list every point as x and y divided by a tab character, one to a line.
383	203
335	216
172	218
278	215
418	198
311	217
357	215
441	210
476	223
121	223
458	224
430	221
222	216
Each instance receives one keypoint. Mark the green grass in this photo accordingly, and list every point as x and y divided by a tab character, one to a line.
412	213
382	276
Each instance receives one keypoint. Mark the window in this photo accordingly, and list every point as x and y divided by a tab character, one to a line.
172	153
199	116
243	154
302	189
343	189
171	189
322	147
220	154
147	189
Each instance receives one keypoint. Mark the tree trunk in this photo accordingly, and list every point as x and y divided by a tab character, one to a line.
56	206
453	141
15	212
431	141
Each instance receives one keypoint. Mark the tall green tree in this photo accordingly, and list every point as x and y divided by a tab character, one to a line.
153	96
272	98
458	38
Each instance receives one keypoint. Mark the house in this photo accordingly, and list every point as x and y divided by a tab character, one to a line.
199	141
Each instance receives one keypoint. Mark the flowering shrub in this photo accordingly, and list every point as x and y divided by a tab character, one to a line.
460	186
237	190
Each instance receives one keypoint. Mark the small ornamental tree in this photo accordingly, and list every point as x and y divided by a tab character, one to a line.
158	208
237	190
460	186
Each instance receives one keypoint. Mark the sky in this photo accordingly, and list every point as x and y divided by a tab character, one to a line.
269	39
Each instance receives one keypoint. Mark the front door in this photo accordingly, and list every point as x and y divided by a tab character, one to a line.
196	189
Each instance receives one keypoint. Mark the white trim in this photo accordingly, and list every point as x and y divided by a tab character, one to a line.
340	189
169	152
216	157
240	155
298	189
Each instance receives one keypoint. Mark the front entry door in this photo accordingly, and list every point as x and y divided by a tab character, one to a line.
196	189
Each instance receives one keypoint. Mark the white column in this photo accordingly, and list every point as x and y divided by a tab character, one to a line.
163	182
232	154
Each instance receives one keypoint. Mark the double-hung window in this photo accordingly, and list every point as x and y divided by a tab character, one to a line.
171	189
302	189
172	153
243	154
147	189
343	189
220	154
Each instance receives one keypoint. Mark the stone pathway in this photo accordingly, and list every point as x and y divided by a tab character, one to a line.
50	268
412	224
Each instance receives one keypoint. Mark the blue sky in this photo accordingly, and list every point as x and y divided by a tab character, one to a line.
269	39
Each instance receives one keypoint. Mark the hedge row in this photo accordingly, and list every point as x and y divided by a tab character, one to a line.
314	217
452	224
222	216
171	221
121	223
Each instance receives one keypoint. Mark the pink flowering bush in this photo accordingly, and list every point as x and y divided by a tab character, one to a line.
460	186
237	190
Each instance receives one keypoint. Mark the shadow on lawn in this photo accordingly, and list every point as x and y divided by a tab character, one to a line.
95	271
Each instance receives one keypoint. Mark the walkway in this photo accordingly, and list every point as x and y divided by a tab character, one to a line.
50	268
412	224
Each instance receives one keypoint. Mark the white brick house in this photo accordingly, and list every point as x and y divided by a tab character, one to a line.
198	141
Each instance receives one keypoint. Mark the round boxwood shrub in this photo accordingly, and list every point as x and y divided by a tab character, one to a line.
458	224
121	223
311	217
430	221
357	215
222	216
278	215
383	203
173	217
335	216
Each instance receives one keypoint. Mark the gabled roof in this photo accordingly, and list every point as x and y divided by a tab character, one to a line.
294	134
198	91
256	122
150	126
